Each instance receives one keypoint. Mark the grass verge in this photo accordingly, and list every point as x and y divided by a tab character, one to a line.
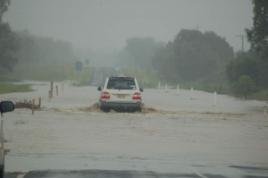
11	88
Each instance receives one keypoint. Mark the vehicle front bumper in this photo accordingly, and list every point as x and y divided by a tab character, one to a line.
120	105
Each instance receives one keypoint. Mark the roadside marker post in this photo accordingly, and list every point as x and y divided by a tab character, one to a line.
62	87
51	89
191	93
265	110
178	88
159	85
215	99
57	90
166	87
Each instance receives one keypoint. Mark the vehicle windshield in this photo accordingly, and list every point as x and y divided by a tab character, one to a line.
121	84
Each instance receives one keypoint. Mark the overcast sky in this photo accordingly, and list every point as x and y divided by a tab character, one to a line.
106	24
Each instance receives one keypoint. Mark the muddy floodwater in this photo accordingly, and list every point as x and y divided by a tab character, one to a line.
178	131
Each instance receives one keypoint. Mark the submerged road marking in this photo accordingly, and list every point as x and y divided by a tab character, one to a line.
199	174
21	175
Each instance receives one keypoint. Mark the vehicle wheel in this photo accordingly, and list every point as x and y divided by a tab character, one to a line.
138	109
105	109
117	109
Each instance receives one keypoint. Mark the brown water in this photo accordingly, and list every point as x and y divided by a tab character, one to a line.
177	131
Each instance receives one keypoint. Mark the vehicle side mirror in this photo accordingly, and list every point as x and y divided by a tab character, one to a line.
141	89
99	88
6	106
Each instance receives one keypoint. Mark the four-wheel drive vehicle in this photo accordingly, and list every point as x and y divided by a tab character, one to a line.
120	93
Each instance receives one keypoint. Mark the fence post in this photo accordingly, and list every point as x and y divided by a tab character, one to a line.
49	95
265	109
33	103
39	102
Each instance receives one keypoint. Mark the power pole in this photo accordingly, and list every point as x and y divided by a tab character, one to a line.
242	41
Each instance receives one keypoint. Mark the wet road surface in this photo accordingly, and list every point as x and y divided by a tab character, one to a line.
249	172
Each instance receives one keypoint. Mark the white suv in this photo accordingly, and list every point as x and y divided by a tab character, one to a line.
120	93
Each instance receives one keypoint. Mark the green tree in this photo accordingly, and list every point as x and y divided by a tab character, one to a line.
248	72
243	64
138	52
258	38
42	50
42	58
258	34
8	42
3	7
194	56
245	86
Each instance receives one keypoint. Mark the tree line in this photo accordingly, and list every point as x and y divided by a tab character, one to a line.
26	56
248	72
206	60
192	57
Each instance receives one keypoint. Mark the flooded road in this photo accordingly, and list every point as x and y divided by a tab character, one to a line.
180	132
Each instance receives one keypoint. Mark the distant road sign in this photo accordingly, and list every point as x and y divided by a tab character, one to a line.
78	66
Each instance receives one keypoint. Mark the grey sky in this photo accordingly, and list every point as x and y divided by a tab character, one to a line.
106	24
